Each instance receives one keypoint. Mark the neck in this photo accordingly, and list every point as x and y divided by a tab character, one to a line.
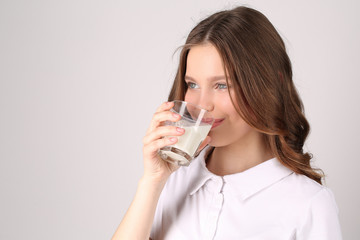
238	157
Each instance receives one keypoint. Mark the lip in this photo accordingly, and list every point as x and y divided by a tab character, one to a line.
207	120
217	122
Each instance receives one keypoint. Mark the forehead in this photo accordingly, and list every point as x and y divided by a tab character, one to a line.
204	61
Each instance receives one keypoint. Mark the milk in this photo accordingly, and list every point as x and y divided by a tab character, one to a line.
192	138
187	143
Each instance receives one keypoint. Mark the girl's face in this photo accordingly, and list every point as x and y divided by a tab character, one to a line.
205	78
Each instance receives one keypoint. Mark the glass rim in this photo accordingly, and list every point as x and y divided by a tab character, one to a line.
188	103
209	119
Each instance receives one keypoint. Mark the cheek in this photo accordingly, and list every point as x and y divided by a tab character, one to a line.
227	106
236	121
190	98
186	98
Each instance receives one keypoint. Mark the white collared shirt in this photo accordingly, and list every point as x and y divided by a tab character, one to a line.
268	201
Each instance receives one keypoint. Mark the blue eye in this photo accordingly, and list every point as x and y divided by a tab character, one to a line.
192	85
221	86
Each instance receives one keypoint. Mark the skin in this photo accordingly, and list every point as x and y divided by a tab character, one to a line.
138	220
237	145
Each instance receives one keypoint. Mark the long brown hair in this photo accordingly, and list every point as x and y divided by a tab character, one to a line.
255	59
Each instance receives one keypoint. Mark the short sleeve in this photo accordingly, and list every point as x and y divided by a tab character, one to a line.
321	221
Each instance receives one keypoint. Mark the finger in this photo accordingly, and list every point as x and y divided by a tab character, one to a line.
160	117
152	148
165	106
161	132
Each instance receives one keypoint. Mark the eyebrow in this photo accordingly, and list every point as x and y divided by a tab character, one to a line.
215	78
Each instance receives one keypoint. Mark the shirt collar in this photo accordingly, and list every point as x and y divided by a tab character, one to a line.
199	171
244	184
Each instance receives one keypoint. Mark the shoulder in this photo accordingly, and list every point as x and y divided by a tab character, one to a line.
319	218
316	197
315	208
300	194
310	205
302	185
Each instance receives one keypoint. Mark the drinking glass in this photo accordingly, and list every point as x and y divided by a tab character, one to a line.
197	123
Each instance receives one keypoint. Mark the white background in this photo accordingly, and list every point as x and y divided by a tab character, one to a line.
80	80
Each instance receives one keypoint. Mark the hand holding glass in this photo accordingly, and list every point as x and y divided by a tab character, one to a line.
197	123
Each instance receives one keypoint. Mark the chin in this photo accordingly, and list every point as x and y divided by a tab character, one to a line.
216	140
215	143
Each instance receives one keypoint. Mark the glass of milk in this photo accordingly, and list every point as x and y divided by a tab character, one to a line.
197	123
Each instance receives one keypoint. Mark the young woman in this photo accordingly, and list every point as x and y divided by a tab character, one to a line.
253	180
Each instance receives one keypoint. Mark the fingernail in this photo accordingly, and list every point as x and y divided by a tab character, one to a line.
173	139
181	130
175	115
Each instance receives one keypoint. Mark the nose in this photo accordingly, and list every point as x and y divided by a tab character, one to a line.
206	102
